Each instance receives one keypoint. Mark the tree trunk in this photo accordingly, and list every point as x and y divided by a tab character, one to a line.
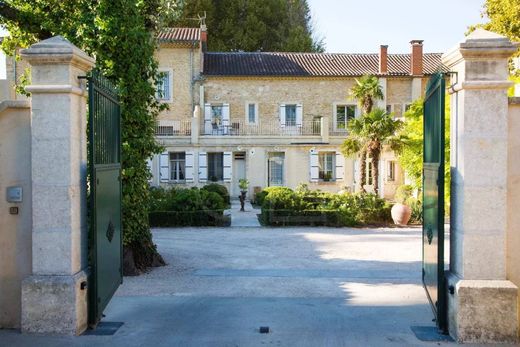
363	170
375	155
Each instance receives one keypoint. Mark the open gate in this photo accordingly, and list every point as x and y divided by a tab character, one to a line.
433	199
104	153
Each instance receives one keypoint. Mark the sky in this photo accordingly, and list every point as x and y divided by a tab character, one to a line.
361	26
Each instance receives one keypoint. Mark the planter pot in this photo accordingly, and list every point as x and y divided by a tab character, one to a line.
401	214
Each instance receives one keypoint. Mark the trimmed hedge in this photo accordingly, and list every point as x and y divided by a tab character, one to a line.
330	218
189	218
284	206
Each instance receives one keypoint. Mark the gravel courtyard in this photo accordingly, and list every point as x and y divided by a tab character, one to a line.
313	287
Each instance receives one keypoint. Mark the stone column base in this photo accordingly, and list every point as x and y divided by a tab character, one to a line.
482	311
54	304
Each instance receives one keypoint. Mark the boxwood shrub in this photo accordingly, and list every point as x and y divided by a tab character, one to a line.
283	206
220	190
187	207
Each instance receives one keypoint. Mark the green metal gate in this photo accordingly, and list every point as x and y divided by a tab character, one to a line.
104	152
433	199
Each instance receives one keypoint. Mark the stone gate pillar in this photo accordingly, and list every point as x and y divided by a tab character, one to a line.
482	303
54	298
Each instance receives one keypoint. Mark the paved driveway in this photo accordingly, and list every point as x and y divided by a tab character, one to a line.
311	286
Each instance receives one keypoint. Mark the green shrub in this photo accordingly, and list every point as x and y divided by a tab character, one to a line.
220	190
184	207
403	194
282	206
416	206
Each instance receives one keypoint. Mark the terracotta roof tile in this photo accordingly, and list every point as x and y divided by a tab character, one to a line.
181	35
310	64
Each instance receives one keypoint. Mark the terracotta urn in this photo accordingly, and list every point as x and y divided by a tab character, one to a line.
401	214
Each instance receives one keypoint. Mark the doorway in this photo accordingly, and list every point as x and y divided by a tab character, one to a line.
239	170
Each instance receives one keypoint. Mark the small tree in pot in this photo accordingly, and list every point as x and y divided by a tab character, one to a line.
243	184
401	211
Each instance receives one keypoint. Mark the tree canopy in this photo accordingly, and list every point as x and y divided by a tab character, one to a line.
370	133
410	156
120	35
253	25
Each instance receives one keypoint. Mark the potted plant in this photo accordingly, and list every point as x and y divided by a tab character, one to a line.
243	184
401	212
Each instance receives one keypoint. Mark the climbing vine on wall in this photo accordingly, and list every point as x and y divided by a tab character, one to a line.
120	35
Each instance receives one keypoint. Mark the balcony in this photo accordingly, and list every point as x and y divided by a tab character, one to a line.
168	128
263	128
196	130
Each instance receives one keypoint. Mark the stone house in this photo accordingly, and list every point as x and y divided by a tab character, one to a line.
273	118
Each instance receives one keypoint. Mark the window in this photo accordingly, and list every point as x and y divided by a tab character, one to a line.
370	180
275	169
177	166
326	164
164	85
216	166
407	107
391	171
290	115
344	113
251	113
216	114
388	109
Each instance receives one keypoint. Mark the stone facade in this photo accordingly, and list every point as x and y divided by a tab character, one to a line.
318	97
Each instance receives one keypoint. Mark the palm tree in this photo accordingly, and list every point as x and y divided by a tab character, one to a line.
371	133
366	91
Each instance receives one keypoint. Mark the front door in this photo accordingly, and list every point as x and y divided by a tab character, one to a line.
239	171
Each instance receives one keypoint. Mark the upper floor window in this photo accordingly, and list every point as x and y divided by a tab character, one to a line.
177	166
344	113
251	115
216	114
164	85
326	165
290	115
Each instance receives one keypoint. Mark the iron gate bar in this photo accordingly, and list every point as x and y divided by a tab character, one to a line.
104	167
433	198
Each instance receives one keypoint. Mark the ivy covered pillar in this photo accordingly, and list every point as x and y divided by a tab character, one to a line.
482	303
54	297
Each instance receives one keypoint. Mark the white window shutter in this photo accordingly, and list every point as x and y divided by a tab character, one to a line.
207	119
340	167
282	115
228	166
164	167
314	166
203	167
225	117
189	165
299	115
167	85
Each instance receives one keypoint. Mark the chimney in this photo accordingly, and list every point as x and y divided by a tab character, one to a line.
383	59
203	38
416	61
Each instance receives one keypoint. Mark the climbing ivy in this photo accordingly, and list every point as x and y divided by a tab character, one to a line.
120	34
